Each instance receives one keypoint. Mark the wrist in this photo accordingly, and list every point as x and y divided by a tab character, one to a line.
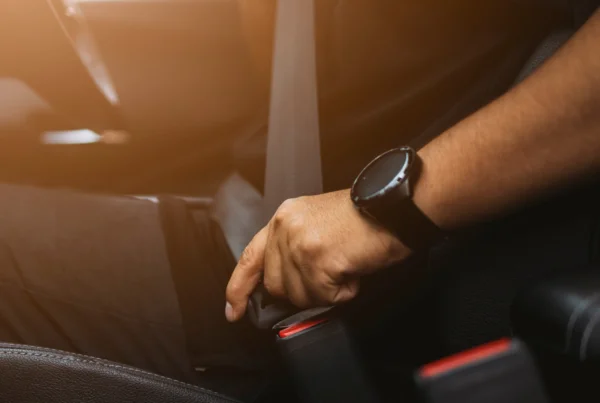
394	250
384	191
428	192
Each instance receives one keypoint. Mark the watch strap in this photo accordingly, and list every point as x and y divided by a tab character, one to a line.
393	207
407	222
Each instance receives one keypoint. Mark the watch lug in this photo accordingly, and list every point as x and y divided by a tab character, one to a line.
406	187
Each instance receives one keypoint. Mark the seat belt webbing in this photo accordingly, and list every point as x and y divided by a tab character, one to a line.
293	165
293	157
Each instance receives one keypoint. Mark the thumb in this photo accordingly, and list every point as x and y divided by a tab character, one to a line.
246	276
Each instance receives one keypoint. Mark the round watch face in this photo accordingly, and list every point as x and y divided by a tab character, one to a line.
382	174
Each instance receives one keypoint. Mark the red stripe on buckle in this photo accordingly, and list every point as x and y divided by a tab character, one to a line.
466	357
299	327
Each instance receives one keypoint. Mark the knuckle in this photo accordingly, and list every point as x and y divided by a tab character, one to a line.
284	211
353	290
287	204
309	246
279	218
346	292
295	223
340	268
233	289
337	266
328	281
247	256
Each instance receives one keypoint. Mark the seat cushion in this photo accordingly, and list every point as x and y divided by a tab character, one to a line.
33	374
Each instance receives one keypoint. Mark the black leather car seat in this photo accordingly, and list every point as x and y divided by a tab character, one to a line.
33	374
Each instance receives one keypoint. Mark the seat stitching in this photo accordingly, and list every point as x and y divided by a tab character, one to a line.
89	360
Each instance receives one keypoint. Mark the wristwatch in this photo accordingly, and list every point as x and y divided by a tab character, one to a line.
383	191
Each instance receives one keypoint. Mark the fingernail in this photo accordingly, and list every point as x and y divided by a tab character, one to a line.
229	312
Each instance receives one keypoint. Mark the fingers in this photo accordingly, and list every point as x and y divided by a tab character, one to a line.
286	278
273	276
346	291
301	257
296	289
245	276
282	279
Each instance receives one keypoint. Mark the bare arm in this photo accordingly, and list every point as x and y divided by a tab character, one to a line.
537	139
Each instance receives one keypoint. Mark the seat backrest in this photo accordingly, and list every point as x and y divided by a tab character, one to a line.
543	52
496	82
465	309
39	375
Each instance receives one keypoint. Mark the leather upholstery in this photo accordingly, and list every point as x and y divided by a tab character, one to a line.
33	374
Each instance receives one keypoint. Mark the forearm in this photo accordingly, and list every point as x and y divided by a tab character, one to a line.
535	140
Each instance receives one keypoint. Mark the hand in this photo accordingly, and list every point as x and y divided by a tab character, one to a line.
313	252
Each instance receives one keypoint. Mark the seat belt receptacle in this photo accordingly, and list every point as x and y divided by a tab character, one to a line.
499	372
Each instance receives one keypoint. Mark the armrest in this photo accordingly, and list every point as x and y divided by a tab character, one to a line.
36	375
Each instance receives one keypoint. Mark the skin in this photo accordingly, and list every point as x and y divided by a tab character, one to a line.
538	139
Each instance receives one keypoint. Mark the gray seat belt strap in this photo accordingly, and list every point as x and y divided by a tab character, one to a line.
293	144
293	165
293	147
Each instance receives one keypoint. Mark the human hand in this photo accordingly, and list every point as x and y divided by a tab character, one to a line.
313	252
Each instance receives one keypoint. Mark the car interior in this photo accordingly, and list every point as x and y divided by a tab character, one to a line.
148	97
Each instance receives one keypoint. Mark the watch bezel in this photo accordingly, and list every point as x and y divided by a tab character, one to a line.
399	180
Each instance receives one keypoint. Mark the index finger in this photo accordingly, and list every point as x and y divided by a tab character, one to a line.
246	276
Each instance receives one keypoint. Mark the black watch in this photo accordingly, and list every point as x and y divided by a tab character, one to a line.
383	191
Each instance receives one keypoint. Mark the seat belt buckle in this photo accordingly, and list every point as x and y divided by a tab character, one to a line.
323	360
502	371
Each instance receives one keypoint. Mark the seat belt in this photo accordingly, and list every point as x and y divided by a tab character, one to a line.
293	158
293	166
293	144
